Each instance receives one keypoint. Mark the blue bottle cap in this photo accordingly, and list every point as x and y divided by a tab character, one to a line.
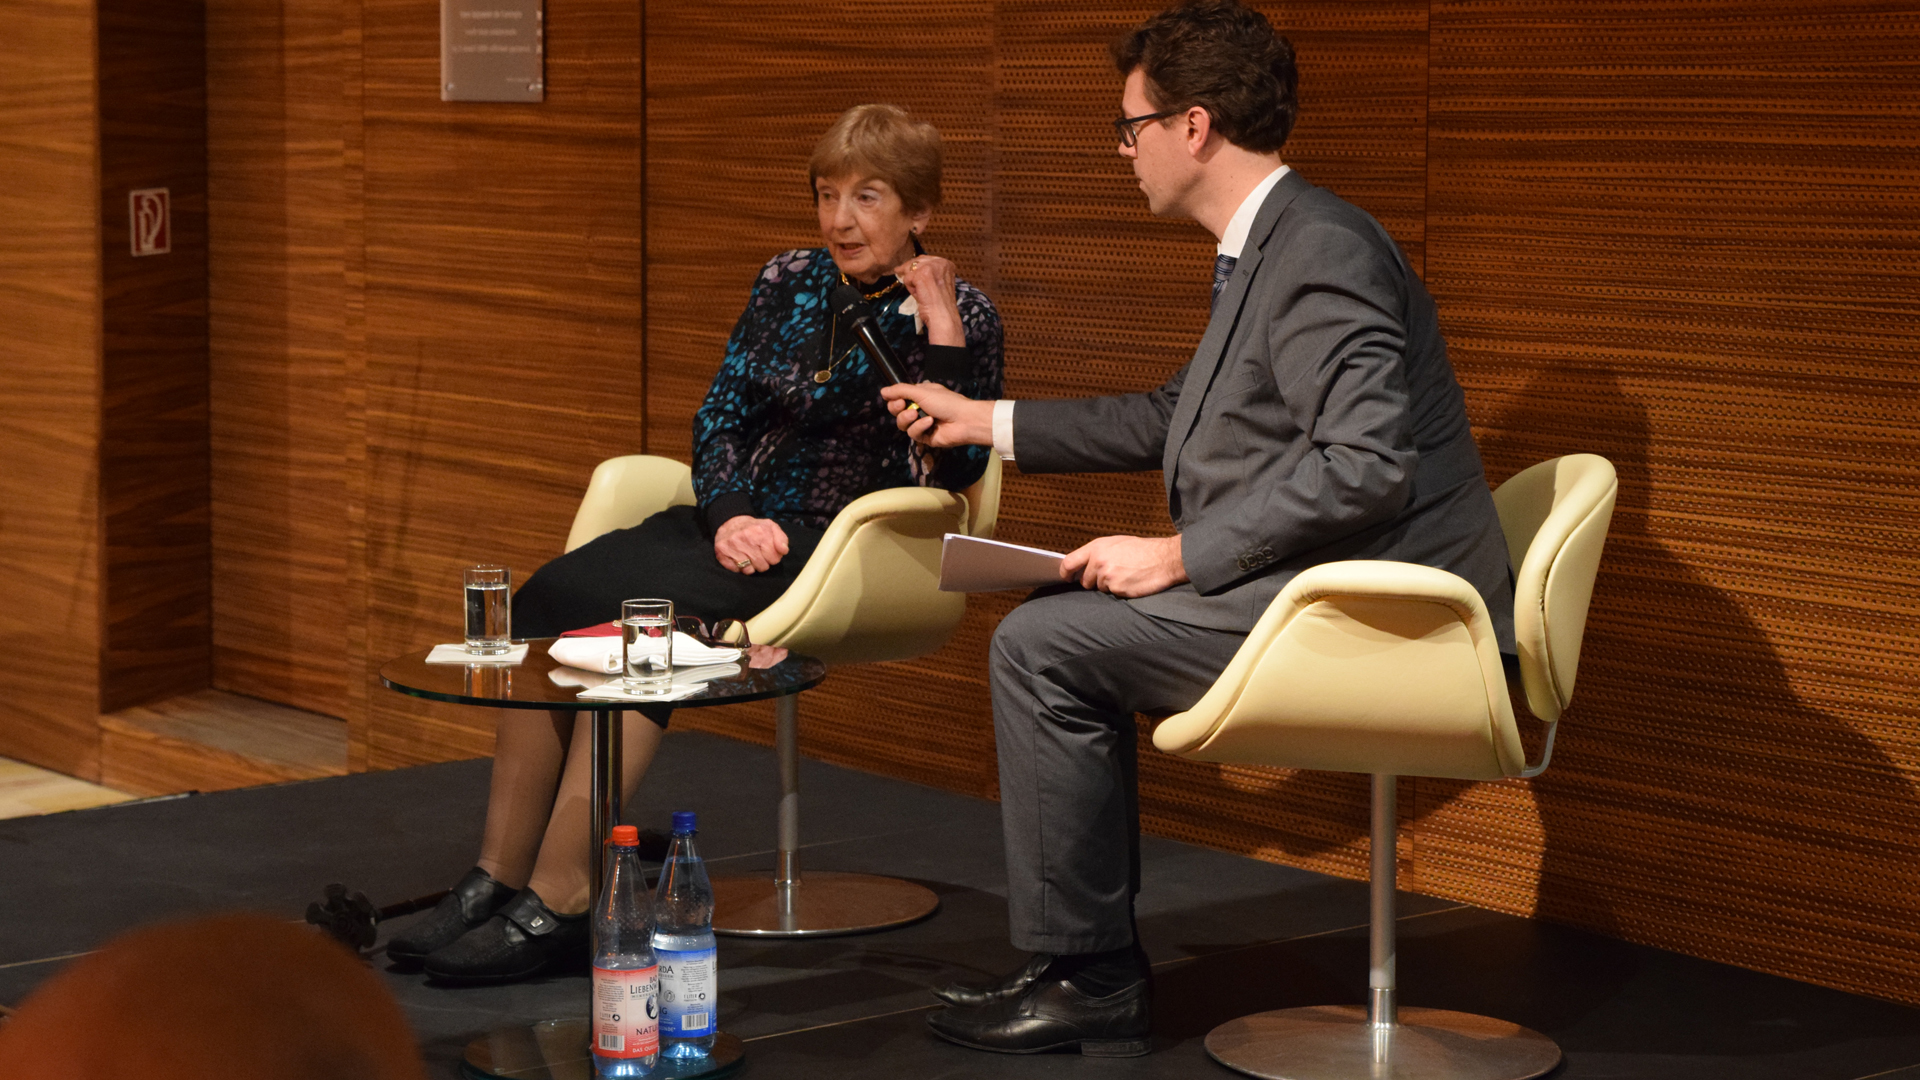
684	821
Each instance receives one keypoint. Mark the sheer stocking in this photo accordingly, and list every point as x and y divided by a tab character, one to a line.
562	872
528	752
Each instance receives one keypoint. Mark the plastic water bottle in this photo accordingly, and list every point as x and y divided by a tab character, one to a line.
626	978
683	942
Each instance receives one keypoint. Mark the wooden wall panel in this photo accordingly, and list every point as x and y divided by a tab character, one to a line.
49	380
1690	240
277	297
153	428
737	95
501	337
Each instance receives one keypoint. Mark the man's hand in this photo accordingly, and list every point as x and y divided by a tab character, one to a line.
1126	566
944	417
747	545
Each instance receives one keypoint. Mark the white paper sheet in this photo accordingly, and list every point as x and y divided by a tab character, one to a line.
969	564
686	683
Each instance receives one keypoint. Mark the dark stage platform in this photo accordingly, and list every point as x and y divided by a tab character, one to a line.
1228	935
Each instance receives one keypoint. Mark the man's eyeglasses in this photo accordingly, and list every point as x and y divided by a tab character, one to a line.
1127	125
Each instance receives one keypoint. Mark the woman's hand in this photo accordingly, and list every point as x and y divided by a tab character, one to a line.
747	545
930	279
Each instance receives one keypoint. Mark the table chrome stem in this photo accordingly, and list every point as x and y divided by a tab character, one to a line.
606	768
786	744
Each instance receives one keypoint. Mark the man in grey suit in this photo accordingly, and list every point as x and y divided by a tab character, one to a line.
1319	419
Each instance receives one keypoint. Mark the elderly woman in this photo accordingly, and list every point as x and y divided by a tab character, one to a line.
793	429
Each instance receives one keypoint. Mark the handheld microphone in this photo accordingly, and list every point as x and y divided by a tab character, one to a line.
849	305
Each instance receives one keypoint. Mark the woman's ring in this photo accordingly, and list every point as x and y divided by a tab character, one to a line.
742	564
914	265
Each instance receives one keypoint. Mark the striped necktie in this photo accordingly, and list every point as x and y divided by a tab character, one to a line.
1222	270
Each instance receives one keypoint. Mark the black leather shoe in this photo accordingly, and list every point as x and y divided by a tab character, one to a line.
1054	1015
1012	986
470	903
522	940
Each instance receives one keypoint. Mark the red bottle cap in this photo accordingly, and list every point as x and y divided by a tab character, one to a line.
625	836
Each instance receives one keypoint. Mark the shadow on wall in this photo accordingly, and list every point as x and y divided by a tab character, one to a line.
1695	798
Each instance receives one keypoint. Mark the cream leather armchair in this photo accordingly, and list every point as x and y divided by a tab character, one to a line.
1392	669
869	593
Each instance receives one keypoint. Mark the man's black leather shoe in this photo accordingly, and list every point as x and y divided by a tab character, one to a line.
1011	986
1054	1015
520	941
471	903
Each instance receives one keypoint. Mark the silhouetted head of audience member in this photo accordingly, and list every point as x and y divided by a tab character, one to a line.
233	996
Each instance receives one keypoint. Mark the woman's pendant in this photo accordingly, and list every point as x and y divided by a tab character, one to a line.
822	375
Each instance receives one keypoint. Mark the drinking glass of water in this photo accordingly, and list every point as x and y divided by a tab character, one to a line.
646	635
489	621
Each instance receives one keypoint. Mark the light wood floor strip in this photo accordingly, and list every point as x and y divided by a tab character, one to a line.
28	791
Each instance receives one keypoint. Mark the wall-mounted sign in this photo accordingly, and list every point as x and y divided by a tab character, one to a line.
150	221
493	50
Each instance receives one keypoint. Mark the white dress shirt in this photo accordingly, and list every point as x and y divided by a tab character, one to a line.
1241	223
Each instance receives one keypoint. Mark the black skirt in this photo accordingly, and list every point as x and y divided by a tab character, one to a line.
666	557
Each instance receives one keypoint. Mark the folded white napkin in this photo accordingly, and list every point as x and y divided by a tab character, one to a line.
686	682
602	654
458	654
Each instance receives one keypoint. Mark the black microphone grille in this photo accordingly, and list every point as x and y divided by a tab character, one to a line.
846	300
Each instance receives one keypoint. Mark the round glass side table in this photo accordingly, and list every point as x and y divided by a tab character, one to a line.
560	1049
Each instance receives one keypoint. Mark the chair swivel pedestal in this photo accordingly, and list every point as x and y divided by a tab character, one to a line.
820	904
1380	1040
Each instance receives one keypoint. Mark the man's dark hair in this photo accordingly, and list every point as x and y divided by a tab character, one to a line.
1223	57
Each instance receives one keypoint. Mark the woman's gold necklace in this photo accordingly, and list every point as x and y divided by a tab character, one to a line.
875	295
833	331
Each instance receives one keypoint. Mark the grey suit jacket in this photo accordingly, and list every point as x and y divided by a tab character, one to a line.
1318	420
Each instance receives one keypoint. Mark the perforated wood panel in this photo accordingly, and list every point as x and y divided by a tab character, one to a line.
1689	239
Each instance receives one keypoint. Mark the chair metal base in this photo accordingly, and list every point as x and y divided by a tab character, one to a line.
561	1050
1335	1042
818	905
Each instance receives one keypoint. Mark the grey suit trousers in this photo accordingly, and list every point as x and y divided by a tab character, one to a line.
1070	668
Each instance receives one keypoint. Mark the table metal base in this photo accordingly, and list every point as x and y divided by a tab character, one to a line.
559	1050
818	905
1335	1042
